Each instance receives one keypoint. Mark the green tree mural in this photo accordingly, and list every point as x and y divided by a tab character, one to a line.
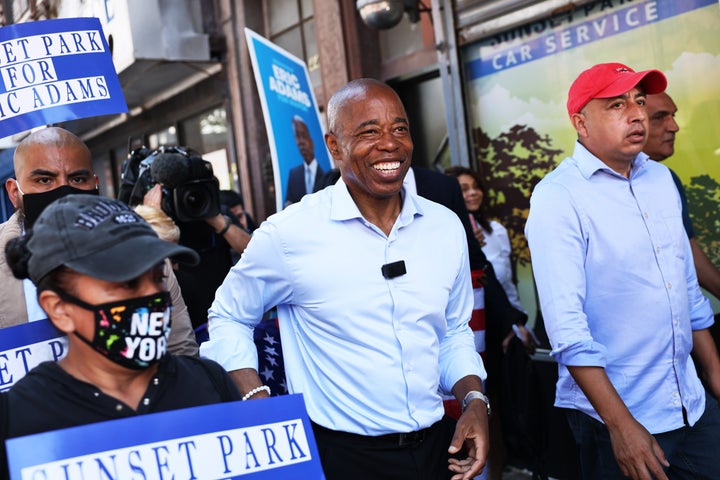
511	165
703	196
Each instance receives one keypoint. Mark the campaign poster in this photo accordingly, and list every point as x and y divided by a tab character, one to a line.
25	346
287	99
268	439
52	71
517	83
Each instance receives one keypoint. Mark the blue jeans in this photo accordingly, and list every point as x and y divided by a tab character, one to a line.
692	451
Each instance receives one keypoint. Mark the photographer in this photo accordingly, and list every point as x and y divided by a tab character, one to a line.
236	237
181	184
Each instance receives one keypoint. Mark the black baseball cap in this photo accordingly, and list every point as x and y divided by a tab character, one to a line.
99	237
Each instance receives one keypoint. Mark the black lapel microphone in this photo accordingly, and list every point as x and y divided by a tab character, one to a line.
395	269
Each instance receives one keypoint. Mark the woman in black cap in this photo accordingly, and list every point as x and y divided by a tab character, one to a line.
98	270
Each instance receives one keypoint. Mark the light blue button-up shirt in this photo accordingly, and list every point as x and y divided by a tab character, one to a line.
617	285
369	354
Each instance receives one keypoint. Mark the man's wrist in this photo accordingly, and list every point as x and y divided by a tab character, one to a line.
226	227
475	395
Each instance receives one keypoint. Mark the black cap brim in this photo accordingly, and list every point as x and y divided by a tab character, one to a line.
131	258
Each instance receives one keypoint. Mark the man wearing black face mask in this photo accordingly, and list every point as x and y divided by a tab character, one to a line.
49	164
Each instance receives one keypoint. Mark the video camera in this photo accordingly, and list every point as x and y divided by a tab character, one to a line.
190	191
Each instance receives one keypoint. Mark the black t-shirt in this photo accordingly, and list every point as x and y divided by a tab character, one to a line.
48	398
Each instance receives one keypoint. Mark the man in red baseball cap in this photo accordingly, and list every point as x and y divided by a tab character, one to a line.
607	80
619	294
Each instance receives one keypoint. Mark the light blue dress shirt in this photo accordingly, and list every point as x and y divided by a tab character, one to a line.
369	354
617	286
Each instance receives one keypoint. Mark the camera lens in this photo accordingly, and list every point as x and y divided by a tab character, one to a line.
195	201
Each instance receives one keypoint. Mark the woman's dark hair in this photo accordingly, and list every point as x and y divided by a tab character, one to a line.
18	256
479	216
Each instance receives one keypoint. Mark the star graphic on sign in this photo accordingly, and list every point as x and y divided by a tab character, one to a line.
271	361
270	339
271	351
267	373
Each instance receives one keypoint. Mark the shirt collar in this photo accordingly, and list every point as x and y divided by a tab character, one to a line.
344	207
409	181
588	163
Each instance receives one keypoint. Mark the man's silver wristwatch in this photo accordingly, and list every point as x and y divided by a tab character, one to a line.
475	395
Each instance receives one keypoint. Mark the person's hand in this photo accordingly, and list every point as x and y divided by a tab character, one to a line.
472	430
480	236
153	197
522	332
637	452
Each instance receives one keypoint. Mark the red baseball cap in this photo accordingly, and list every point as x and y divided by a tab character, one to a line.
606	80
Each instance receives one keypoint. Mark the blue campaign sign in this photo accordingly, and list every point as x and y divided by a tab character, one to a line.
285	92
52	71
259	439
25	346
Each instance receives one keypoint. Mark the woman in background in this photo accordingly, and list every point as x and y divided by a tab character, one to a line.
493	237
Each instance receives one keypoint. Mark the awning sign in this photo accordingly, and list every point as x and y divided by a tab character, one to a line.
570	29
25	346
52	71
260	439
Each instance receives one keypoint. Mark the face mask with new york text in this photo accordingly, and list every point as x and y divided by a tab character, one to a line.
132	333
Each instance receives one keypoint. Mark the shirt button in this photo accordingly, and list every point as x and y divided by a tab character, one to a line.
156	381
118	407
657	249
146	401
645	214
96	394
669	285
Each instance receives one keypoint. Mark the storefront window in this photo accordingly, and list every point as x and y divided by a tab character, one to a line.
208	134
284	14
292	27
167	136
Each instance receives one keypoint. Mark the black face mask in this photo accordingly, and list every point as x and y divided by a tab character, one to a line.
35	203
